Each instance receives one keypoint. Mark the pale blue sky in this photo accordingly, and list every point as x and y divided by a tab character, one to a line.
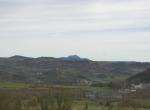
97	29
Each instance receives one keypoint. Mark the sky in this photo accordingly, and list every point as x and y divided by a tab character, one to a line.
102	30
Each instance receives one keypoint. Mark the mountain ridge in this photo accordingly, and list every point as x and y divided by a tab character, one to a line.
59	71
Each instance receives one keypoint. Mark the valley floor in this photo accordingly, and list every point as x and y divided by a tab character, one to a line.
21	96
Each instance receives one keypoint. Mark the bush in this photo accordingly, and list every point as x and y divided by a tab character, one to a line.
9	102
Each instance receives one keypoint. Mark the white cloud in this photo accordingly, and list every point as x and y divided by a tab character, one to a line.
128	6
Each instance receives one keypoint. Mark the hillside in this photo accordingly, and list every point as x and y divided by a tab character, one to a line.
62	71
142	77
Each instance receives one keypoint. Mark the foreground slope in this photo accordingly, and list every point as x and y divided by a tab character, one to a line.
142	77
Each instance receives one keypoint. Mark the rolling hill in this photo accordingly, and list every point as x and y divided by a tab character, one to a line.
62	71
142	77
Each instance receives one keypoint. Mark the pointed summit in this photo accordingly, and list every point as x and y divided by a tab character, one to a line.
74	58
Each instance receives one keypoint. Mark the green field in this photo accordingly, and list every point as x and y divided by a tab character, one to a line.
14	85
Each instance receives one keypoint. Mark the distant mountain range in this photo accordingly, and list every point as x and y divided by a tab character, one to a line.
66	70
